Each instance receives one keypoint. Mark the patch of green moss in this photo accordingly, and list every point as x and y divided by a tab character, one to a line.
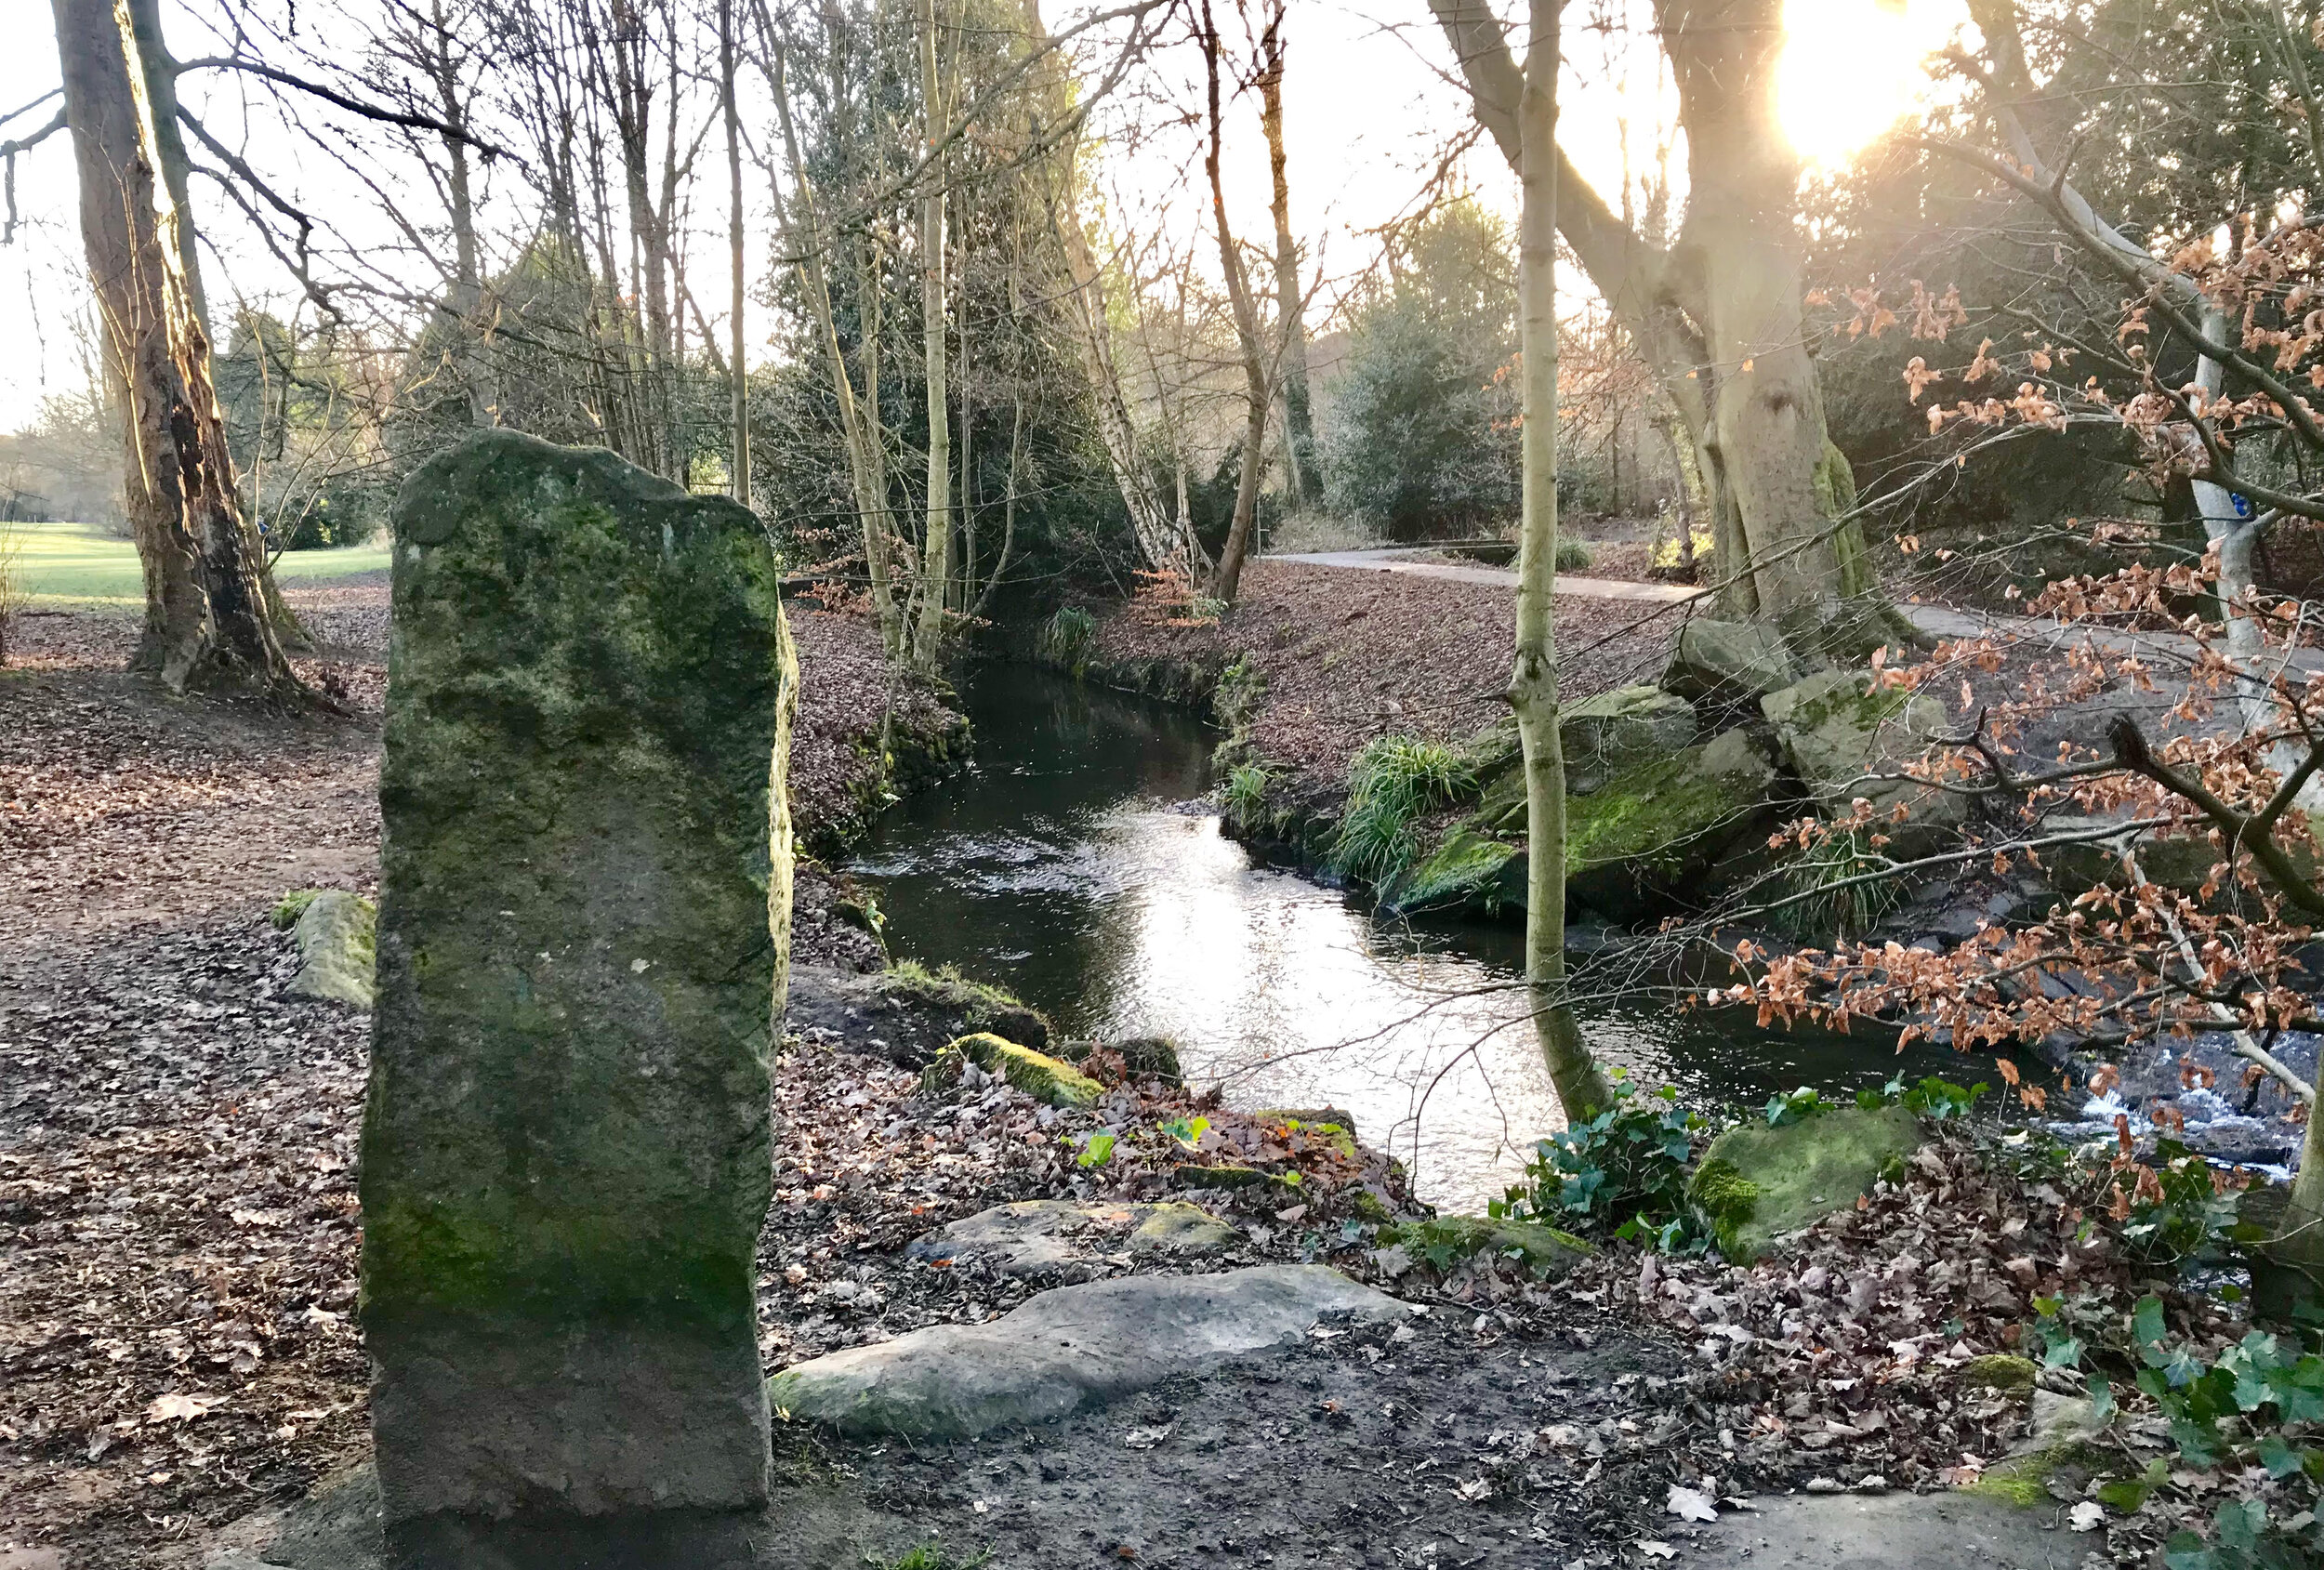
1797	1173
1725	1198
1444	1241
1465	867
1998	1371
291	906
1044	1078
1653	814
2024	1481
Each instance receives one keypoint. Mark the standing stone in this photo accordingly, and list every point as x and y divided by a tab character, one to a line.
583	932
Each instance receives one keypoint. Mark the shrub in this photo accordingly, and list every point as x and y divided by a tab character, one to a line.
1573	555
1396	780
1623	1173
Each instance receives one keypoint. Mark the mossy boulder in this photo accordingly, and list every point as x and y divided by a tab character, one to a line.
1036	1073
1727	664
337	934
1632	847
1468	868
1609	732
1444	1241
1839	732
1757	1183
971	1006
1144	1057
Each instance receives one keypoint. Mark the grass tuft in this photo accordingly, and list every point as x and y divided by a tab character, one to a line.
1396	781
1067	635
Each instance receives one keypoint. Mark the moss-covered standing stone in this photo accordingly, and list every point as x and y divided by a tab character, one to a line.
584	934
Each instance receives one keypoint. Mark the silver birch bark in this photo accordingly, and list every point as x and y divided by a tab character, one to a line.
1581	1088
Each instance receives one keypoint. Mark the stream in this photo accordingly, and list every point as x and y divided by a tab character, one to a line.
1079	866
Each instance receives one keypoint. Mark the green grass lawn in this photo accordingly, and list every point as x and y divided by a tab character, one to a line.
75	562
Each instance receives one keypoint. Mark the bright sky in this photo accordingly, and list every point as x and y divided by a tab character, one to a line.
1370	111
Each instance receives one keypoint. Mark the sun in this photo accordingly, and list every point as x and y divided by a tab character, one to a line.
1852	68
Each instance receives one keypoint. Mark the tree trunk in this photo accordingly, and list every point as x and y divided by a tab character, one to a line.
739	387
1227	581
1719	316
936	545
1298	419
206	617
1581	1088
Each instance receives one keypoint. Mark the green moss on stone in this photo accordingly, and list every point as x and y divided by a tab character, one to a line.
291	906
1465	867
1044	1078
1998	1371
1444	1240
1798	1173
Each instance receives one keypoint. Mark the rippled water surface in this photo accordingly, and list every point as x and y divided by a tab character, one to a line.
1080	866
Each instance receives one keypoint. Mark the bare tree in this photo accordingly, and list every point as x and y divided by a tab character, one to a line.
205	612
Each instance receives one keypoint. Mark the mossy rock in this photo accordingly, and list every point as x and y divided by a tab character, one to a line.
1466	868
1634	846
2000	1372
1609	732
1757	1183
1036	1073
1144	1057
2038	1478
338	935
1728	663
1837	730
1445	1240
977	1006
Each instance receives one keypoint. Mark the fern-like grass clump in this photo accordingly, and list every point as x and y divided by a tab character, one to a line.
1067	635
1396	781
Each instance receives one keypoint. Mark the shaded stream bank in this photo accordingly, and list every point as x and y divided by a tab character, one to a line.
1079	865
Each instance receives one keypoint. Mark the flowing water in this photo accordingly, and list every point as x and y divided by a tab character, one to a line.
1080	866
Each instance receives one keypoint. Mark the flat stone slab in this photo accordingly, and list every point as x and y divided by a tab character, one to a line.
1881	1532
1067	1350
1049	1236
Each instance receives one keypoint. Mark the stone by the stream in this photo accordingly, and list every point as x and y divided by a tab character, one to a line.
1608	732
1757	1183
1059	1237
1068	1349
584	926
1880	1531
337	934
1036	1073
1838	737
1634	846
1728	663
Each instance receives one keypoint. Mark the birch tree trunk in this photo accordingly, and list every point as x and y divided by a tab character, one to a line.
1581	1088
205	619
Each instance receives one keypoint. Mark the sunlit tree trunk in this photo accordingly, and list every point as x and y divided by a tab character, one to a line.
1299	421
1717	317
1581	1088
1227	581
936	545
205	617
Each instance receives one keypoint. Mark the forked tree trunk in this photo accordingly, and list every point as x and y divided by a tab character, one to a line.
1227	581
1719	317
205	618
1581	1088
